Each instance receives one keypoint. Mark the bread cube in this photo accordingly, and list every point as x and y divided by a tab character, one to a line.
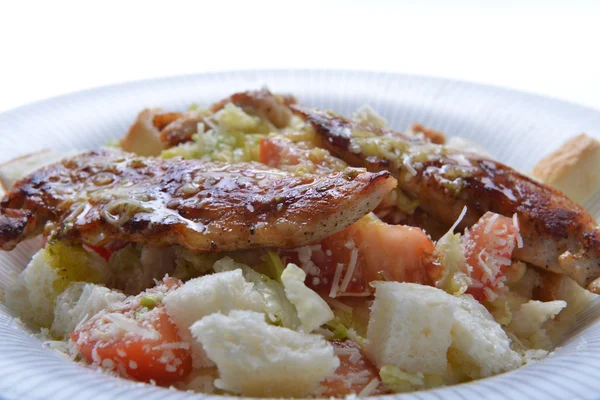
34	293
199	297
574	168
482	346
410	327
261	360
79	302
421	329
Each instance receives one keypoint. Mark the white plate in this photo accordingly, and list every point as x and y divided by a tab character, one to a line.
517	128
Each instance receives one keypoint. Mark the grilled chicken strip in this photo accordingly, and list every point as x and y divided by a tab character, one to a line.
558	234
99	197
179	127
155	130
262	103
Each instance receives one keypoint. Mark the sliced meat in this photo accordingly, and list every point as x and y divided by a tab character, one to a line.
558	234
181	129
263	104
432	135
99	197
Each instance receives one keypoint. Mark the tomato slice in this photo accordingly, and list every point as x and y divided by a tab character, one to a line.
270	153
489	245
374	250
136	342
101	251
354	373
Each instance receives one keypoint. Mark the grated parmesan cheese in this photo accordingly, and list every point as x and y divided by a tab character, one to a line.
339	305
371	386
359	294
335	285
518	229
490	224
459	219
305	258
350	272
355	357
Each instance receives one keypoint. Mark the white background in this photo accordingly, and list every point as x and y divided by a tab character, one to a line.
54	47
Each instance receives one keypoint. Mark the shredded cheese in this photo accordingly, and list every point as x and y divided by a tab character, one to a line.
459	219
335	285
517	227
355	357
350	271
339	305
371	386
490	224
359	294
487	271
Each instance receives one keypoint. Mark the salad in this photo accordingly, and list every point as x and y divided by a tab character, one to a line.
259	247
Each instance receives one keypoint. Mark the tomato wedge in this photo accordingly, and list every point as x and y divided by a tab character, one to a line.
489	245
136	341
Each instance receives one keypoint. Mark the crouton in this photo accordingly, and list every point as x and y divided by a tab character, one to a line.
78	303
574	168
261	360
421	329
529	321
209	294
410	327
482	346
143	137
33	295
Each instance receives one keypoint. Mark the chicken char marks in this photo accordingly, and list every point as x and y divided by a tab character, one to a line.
99	197
558	234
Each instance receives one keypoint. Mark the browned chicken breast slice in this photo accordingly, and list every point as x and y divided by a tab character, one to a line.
181	129
558	234
262	103
154	130
99	197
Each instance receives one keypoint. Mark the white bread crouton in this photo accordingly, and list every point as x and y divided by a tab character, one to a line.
313	311
79	302
529	321
573	169
278	308
410	327
481	345
261	360
33	295
143	137
416	327
17	168
199	297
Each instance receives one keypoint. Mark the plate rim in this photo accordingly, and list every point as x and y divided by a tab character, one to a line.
238	71
570	105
